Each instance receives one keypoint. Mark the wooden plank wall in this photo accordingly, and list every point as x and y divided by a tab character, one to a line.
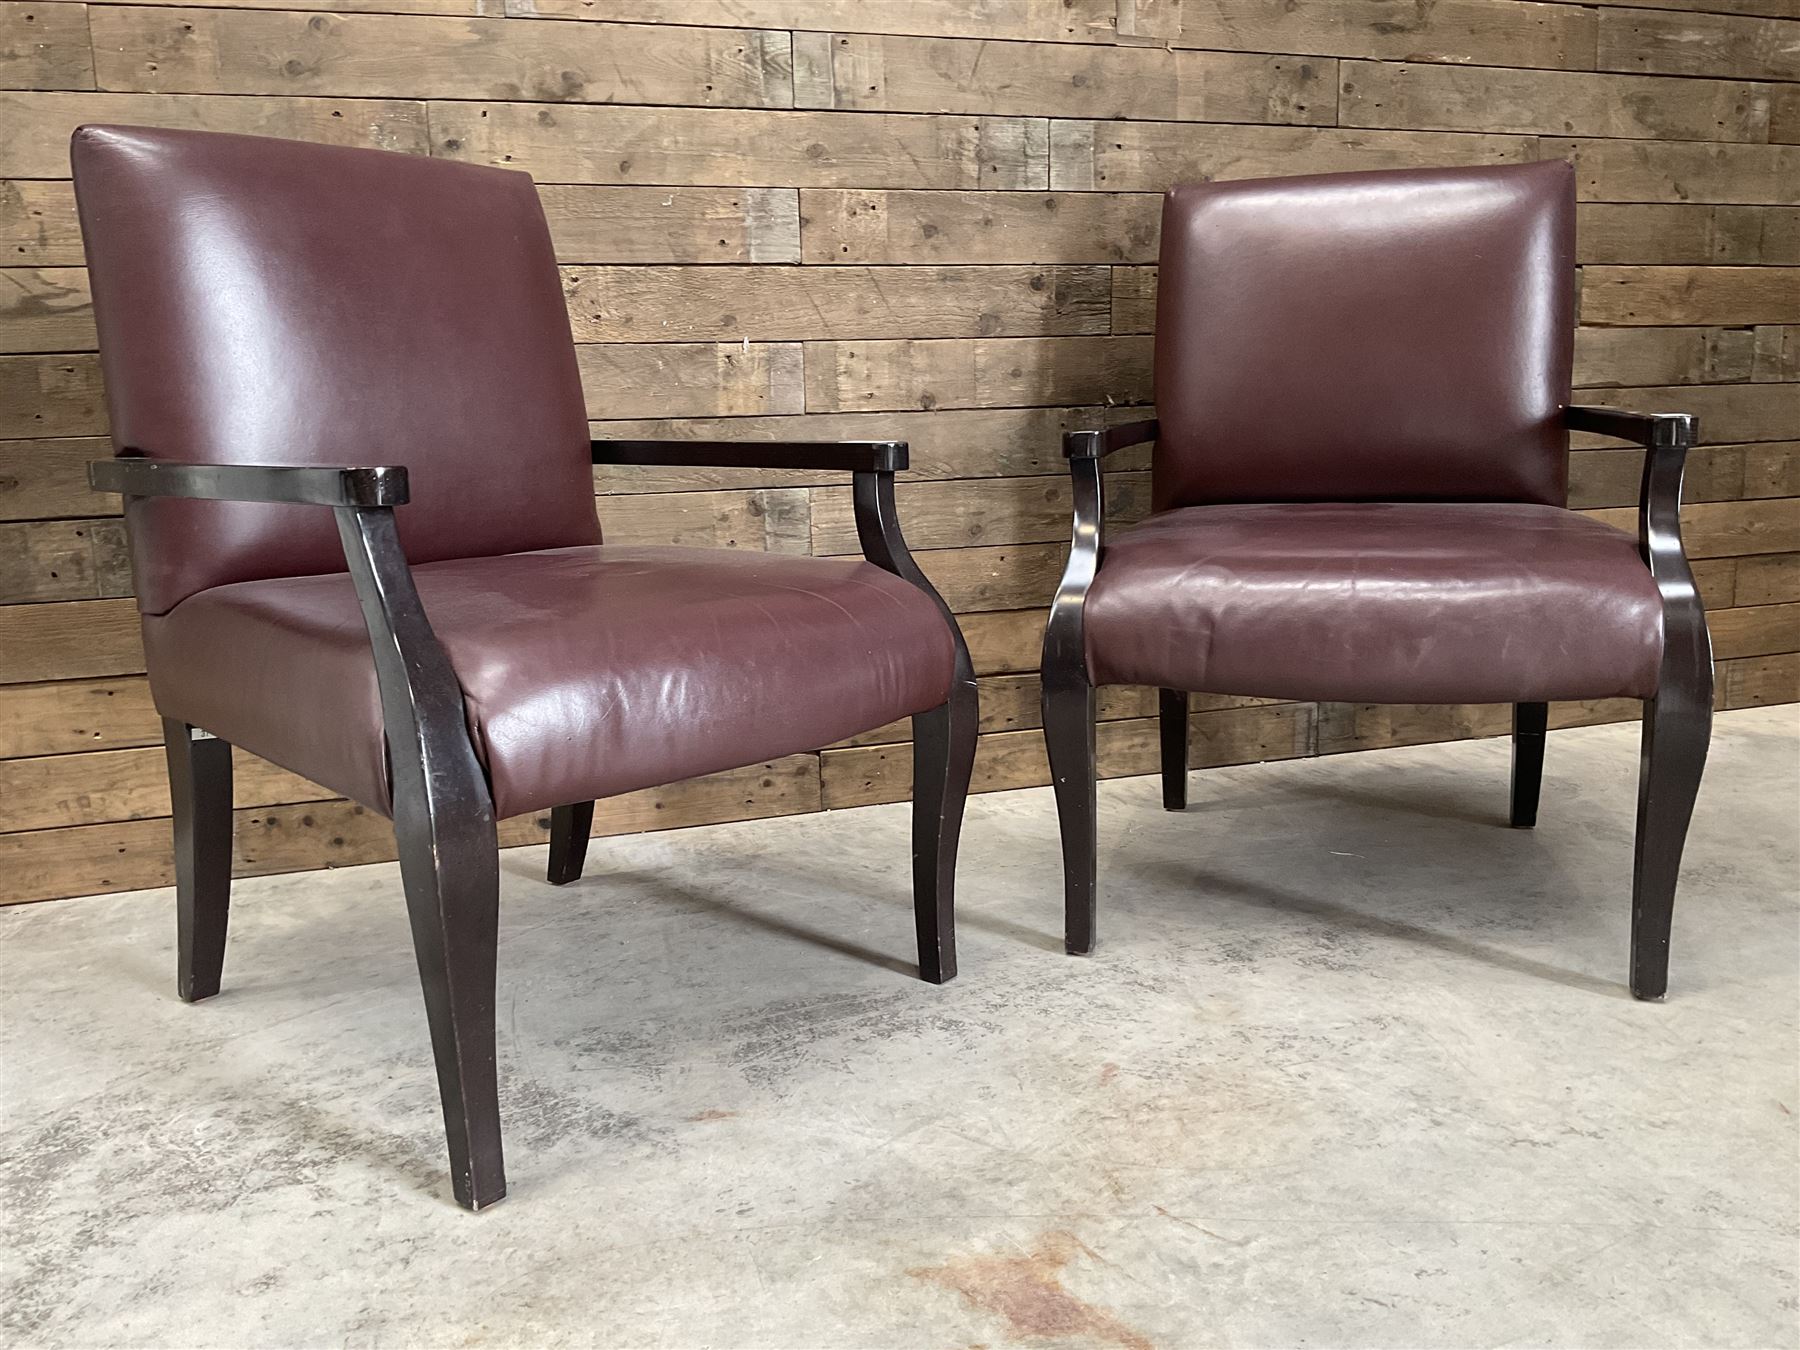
934	219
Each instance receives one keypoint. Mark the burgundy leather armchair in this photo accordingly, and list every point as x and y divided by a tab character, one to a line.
445	639
1359	487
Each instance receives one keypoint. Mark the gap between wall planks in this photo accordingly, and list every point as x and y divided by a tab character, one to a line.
922	219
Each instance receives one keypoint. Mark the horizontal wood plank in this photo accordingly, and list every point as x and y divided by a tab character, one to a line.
147	49
1004	641
590	224
871	73
1684	295
1732	46
63	560
90	789
1754	630
763	304
1640	356
1666	234
50	396
772	520
698	146
41	480
1767	579
69	640
1760	680
35	128
1772	469
37	224
1090	156
1031	20
45	309
45	46
691	379
1011	576
1461	32
67	717
847	226
1679	171
984	372
1776	353
1550	102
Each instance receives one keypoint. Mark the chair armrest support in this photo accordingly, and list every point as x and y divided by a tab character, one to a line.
1666	437
1099	443
878	531
844	456
309	485
1065	642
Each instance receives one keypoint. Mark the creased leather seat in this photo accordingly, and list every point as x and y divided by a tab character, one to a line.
585	671
1377	602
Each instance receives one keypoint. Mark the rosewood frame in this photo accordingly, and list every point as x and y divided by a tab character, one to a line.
442	810
1677	721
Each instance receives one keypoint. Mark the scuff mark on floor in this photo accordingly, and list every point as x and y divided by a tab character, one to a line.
1028	1292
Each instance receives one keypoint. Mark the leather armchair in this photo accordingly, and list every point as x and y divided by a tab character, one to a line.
445	638
1359	487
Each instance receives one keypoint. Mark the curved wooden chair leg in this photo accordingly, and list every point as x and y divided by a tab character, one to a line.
450	864
1172	710
570	827
943	760
1069	738
449	853
1677	727
200	801
1530	725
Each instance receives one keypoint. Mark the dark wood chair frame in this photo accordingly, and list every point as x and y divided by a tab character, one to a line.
442	811
1677	722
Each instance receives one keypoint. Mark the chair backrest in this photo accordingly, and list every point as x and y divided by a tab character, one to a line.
271	302
1386	336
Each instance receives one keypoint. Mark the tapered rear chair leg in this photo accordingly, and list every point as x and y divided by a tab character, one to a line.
1530	723
570	827
1172	710
200	797
1677	727
943	759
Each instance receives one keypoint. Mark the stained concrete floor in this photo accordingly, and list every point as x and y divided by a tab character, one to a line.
1354	1067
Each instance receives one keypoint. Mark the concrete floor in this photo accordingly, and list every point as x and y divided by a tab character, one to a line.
1354	1066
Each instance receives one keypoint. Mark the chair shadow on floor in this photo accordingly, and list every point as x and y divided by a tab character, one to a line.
1219	887
660	887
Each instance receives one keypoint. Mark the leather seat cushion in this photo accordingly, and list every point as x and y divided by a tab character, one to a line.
1375	602
585	671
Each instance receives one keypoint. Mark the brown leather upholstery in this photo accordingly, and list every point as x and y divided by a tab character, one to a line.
272	302
1368	602
585	671
1385	336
